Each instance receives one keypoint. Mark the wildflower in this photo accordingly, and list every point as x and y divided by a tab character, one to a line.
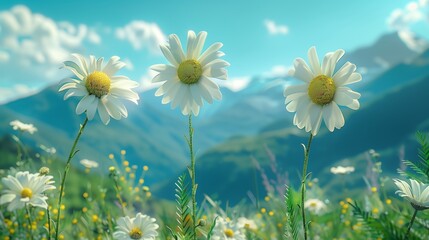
140	227
89	163
342	170
23	127
145	168
188	80
25	188
388	201
50	150
315	205
43	171
417	193
227	230
323	90
374	189
99	88
243	222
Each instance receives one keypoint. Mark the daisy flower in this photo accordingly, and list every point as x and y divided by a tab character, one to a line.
99	88
227	230
315	205
417	193
188	80
25	188
140	227
89	163
246	223
23	127
322	92
342	170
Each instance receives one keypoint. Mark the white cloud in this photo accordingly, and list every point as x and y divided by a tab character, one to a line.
141	35
235	84
276	29
128	64
32	46
278	71
402	21
15	92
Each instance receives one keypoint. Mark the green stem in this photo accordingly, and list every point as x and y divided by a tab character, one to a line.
63	181
304	177
118	193
29	222
49	223
411	223
194	187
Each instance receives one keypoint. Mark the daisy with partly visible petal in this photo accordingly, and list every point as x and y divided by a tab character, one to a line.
188	78
417	193
99	88
141	227
323	91
227	230
25	188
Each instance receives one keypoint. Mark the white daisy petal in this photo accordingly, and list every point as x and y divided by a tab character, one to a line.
333	59
176	48
211	57
210	50
84	104
81	63
201	38
314	61
113	66
355	77
75	69
302	71
191	44
344	73
315	117
92	108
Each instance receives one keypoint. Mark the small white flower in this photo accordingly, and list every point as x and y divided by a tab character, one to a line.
315	205
99	88
227	230
50	150
417	193
89	163
141	227
323	90
188	80
23	127
246	223
25	188
342	170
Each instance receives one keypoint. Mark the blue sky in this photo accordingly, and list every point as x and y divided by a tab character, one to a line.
260	37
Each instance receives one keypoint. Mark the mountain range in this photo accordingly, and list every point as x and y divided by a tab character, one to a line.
239	127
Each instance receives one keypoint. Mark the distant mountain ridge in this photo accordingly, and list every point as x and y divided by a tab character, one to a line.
154	135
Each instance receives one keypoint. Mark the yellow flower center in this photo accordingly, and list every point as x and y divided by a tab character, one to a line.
322	90
313	204
136	233
98	84
189	71
229	233
26	193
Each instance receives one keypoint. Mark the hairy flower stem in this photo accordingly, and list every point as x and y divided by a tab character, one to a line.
63	181
49	223
411	223
118	194
192	173
304	177
29	222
